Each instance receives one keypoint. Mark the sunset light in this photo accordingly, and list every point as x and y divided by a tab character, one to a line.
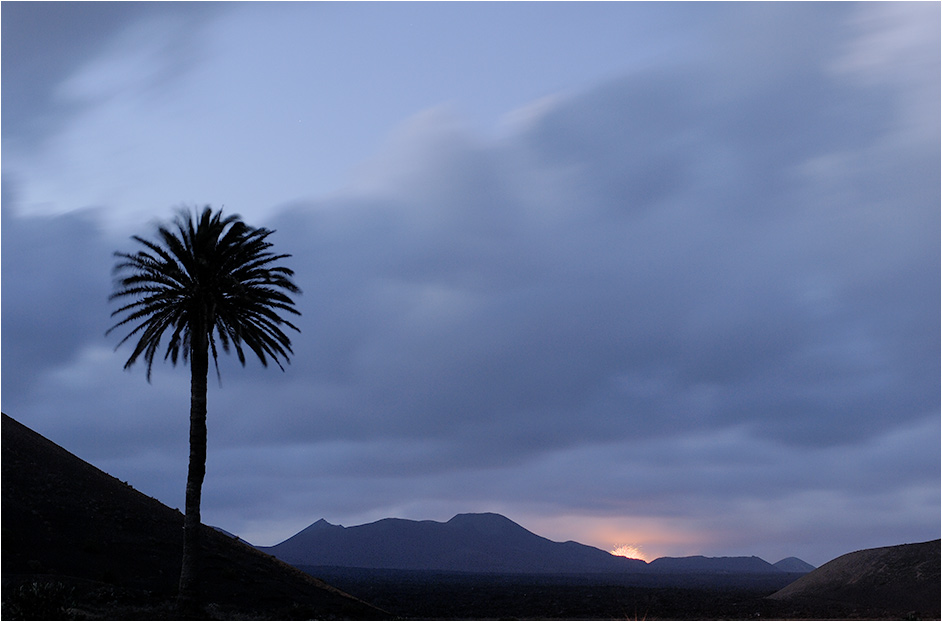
629	550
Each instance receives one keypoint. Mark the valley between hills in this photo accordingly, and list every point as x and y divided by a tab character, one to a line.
80	544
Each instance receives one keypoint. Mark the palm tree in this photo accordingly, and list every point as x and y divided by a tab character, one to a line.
205	280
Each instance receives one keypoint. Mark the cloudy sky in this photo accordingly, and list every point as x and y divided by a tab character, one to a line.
664	275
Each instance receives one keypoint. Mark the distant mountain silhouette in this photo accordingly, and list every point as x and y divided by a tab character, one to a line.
897	580
480	543
466	543
793	564
71	529
701	564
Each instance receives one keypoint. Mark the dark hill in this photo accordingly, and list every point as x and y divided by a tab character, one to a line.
896	580
793	564
75	537
701	564
483	543
487	543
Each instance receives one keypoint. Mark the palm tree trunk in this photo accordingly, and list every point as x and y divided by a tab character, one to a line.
188	599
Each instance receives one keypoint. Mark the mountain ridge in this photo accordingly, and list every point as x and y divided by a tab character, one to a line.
480	542
483	542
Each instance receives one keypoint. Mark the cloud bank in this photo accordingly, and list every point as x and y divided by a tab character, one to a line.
696	305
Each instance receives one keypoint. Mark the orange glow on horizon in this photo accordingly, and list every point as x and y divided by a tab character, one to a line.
629	550
638	537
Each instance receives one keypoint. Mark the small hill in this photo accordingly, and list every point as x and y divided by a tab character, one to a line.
701	564
75	537
484	543
893	581
793	564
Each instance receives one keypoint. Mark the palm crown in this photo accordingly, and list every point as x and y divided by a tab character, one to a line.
214	276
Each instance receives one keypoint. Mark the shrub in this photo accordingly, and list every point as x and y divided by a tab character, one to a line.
38	600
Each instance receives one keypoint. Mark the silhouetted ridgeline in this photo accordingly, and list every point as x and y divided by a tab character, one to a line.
793	564
482	543
466	543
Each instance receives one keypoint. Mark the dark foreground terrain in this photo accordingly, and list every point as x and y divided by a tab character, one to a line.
424	595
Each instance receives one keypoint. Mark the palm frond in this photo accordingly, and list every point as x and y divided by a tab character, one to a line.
205	272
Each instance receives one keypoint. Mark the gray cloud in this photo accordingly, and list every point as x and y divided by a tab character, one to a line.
623	311
704	291
44	44
56	281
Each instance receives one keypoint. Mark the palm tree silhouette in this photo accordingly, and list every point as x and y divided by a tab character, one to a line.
205	280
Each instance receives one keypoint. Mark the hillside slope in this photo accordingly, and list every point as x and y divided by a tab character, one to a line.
74	529
896	579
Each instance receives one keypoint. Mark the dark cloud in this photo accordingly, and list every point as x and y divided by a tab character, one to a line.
56	280
59	369
457	306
